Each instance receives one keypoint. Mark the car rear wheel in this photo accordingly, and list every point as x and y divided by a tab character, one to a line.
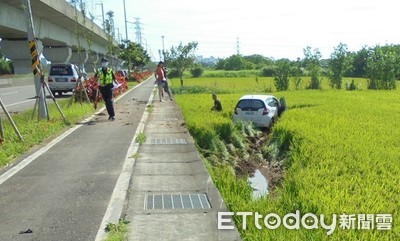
60	93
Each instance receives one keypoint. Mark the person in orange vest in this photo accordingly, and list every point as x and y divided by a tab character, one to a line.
106	78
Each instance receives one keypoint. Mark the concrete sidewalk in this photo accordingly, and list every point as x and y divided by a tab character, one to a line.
171	195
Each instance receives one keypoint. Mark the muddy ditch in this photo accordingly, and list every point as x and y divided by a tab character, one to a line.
256	162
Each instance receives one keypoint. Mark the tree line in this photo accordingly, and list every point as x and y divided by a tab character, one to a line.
379	64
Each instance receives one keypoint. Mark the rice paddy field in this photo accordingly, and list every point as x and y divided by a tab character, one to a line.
341	153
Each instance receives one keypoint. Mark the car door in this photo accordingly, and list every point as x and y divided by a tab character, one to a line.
273	104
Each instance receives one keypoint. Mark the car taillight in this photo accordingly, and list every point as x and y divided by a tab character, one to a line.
49	80
73	80
265	111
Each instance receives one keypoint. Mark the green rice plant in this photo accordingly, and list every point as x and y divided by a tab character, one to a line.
224	130
280	143
340	150
352	85
204	125
231	149
246	128
219	148
270	151
191	90
228	85
237	140
219	83
237	192
230	73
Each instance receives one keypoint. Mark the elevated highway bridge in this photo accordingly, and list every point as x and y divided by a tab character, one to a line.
64	35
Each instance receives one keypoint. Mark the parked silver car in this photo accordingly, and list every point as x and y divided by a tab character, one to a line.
262	110
63	78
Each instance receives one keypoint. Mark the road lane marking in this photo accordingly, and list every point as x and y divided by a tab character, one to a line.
21	102
9	93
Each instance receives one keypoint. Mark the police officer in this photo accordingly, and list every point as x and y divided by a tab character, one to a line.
106	79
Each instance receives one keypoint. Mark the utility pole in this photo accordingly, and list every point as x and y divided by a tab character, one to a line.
36	68
118	36
126	23
163	50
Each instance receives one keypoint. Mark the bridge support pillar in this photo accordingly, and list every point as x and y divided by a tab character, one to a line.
80	58
18	51
57	54
92	63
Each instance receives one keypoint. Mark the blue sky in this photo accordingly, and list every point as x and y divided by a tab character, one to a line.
275	29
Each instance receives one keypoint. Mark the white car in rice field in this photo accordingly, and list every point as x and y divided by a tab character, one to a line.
262	110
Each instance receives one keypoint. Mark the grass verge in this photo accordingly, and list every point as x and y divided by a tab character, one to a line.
35	132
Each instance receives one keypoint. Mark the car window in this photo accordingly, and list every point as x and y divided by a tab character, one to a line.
273	102
61	70
250	104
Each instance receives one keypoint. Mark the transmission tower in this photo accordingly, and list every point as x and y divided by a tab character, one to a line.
138	31
80	3
237	46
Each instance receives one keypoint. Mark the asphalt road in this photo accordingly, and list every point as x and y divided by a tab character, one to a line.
19	98
22	98
63	194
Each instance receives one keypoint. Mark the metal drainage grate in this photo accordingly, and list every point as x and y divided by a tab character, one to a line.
176	201
168	141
